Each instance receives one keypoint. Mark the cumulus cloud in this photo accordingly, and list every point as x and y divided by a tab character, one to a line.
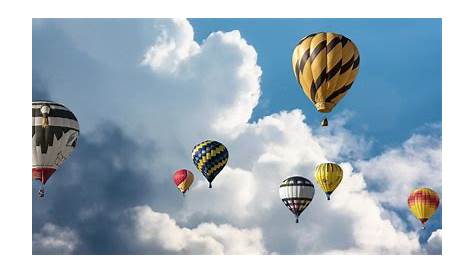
282	145
218	80
372	233
396	172
341	144
53	239
156	231
179	93
276	146
174	44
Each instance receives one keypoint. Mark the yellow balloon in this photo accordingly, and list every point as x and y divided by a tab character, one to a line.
325	65
328	176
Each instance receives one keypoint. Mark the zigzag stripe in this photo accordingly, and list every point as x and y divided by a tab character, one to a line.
199	146
217	167
44	136
210	155
203	150
209	169
209	162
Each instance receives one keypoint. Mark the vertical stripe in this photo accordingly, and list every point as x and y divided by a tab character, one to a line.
423	203
328	176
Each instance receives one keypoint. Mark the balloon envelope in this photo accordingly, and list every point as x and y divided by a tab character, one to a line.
55	133
423	203
210	157
183	179
328	176
296	193
325	65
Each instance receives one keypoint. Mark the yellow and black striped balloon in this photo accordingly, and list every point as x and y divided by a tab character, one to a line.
328	176
210	157
325	65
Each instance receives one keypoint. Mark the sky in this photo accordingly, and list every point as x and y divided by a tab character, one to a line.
146	91
398	58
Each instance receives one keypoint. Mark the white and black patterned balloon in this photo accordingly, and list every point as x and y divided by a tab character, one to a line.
296	193
55	133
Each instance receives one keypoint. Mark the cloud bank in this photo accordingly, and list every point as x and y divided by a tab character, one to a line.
52	239
157	232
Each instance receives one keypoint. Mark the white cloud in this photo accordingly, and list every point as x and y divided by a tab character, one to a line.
276	146
158	232
372	233
53	239
434	243
282	145
340	143
398	171
174	44
213	87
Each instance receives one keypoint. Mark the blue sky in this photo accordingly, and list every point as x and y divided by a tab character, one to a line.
397	91
146	91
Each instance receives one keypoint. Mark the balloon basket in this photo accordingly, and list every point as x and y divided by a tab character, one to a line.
324	122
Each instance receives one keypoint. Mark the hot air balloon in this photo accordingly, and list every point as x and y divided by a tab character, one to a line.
183	180
328	176
55	133
296	193
210	157
423	203
325	65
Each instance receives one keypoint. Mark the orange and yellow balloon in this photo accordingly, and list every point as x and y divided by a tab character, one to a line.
423	203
